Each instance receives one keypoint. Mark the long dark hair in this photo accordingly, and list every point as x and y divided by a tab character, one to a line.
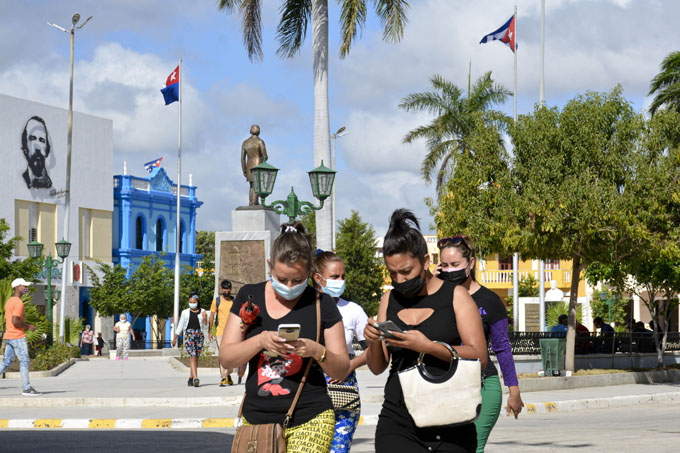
404	236
292	246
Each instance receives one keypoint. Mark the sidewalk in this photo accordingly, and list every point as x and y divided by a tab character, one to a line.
150	393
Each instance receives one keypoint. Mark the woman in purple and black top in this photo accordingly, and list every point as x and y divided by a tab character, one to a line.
457	265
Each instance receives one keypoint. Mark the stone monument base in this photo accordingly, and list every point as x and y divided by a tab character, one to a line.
241	254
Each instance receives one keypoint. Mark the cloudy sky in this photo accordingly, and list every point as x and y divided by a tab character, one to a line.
125	53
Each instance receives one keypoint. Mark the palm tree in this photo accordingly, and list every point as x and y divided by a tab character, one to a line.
291	32
447	134
666	85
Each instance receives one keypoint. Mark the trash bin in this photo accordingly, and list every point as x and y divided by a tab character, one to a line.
553	351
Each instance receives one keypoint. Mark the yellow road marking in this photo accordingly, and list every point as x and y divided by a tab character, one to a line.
102	423
550	406
4	423
157	423
361	420
47	423
218	423
531	408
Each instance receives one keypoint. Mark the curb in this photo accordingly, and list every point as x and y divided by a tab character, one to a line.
211	401
179	366
57	370
551	407
134	423
544	384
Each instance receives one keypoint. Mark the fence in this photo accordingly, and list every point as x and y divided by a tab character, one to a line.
527	343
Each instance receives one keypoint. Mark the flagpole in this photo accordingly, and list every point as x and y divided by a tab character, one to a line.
541	263
179	193
515	256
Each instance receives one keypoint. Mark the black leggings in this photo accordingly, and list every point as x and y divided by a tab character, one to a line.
397	432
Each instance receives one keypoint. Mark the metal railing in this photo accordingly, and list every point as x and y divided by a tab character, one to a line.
527	343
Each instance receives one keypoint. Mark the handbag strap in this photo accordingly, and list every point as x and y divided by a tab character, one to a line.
289	414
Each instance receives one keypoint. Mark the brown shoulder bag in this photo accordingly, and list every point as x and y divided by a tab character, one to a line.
269	437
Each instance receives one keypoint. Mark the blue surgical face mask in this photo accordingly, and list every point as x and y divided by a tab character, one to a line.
193	305
286	292
335	288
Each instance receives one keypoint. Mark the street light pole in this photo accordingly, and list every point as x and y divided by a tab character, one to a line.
67	195
339	133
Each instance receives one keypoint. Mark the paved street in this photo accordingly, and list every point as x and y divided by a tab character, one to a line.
149	389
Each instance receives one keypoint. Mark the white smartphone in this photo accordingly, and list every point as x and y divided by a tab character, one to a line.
387	327
289	332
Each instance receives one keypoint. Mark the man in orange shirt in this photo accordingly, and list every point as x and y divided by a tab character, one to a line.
219	312
15	335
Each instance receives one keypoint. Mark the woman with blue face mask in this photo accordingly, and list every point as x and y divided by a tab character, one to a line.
276	366
329	277
192	323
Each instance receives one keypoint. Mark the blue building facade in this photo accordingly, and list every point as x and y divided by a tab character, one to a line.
144	223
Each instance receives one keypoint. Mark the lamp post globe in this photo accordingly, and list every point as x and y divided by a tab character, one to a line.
34	249
63	248
264	177
321	179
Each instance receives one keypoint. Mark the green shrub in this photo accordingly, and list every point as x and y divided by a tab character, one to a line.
553	311
47	358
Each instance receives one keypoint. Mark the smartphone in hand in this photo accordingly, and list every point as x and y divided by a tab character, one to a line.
386	328
289	332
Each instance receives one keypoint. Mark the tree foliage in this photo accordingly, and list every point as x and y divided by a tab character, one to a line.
11	269
528	287
578	186
356	243
455	115
205	245
665	85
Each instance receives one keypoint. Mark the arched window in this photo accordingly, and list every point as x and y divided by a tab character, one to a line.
139	233
159	235
182	234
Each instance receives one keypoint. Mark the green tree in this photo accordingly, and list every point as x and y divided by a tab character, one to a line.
9	269
528	287
110	293
203	285
31	313
666	85
291	32
447	135
205	245
601	309
356	242
572	189
555	309
152	288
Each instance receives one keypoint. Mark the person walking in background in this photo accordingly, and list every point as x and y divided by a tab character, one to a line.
328	273
457	265
123	331
100	344
192	323
86	340
219	312
426	309
277	366
15	335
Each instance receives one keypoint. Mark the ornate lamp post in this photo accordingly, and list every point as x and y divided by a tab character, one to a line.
604	297
321	179
50	268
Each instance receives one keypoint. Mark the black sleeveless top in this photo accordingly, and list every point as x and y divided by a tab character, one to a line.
440	326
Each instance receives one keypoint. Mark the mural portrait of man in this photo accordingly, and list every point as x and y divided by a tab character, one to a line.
35	143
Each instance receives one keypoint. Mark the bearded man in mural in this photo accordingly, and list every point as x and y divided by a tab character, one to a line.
35	143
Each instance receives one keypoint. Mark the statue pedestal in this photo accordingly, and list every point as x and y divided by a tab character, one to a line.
241	254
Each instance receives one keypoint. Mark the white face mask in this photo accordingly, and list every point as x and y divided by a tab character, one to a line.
193	305
286	292
335	288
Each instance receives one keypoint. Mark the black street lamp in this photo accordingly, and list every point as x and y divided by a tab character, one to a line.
321	180
49	268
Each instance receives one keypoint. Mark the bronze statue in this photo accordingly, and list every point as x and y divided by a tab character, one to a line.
255	151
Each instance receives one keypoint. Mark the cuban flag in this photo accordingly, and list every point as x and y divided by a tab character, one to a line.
505	34
149	166
171	90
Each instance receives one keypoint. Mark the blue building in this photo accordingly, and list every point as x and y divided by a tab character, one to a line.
144	223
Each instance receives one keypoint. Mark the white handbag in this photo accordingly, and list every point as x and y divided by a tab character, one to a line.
453	398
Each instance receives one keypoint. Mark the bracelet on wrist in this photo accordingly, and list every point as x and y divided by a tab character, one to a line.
323	355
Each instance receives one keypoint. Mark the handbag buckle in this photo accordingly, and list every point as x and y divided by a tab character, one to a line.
286	421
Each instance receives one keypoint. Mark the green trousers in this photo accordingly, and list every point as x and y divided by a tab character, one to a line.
492	400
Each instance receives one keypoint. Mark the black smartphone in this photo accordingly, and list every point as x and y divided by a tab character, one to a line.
386	328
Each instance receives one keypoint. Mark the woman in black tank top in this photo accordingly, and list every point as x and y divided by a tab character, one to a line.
428	310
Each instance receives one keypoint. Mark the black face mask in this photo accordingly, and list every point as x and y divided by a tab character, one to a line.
410	288
456	277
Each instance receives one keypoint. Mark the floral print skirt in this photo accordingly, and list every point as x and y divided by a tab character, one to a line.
193	342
